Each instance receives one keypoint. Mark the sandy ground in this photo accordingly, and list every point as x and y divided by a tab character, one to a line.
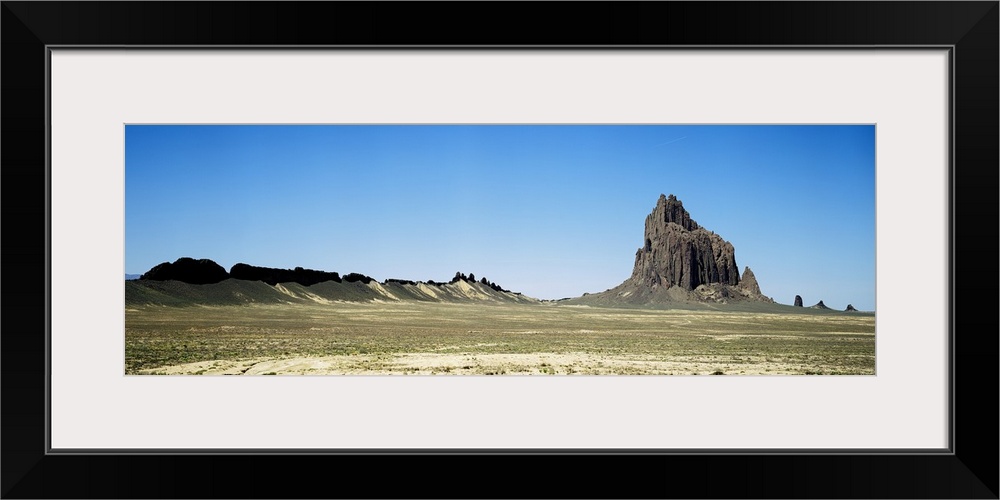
480	364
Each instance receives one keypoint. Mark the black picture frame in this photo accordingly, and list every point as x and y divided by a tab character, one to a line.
970	29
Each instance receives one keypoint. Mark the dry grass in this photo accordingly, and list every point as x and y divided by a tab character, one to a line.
437	338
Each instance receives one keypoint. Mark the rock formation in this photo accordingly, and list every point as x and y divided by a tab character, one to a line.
749	282
188	270
678	252
355	277
248	284
798	301
399	281
819	305
273	276
680	261
850	308
748	289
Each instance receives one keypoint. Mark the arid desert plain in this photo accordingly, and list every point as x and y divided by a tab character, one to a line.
441	338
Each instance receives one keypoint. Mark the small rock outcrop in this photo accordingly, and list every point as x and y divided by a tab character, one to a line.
798	301
748	282
471	278
272	276
850	308
188	270
819	305
747	289
355	277
679	252
399	281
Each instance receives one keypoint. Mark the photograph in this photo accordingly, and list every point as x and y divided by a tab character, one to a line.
613	201
477	249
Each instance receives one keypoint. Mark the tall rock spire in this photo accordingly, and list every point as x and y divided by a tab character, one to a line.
680	261
679	252
749	282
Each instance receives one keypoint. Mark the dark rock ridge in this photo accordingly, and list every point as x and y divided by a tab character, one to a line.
205	271
798	301
850	308
244	292
679	252
188	270
471	278
819	305
353	288
399	281
355	277
273	276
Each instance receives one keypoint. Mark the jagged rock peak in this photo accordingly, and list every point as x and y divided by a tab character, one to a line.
850	308
819	305
670	209
679	252
749	282
798	301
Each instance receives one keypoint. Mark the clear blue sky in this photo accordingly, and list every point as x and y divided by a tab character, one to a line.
548	210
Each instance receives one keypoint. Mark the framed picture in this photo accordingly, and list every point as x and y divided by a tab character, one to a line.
918	78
